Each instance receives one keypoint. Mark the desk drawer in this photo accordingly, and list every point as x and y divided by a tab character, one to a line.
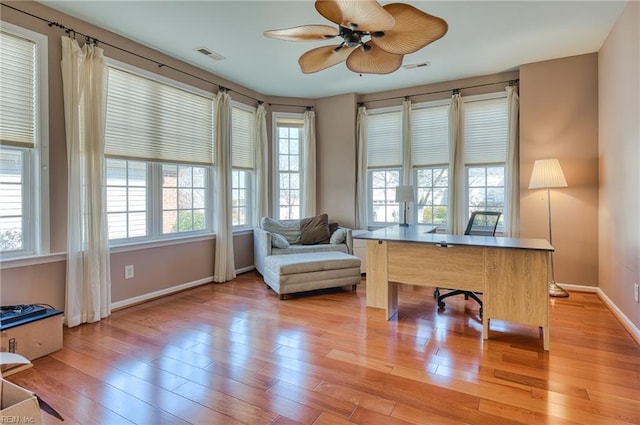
457	267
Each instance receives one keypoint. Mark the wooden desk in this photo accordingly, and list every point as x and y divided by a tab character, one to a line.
512	273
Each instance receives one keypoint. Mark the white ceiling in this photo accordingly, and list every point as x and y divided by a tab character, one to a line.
484	37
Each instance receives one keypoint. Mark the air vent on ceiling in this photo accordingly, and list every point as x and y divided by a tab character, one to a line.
416	65
208	52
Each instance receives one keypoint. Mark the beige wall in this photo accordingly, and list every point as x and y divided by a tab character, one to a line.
559	119
336	156
619	87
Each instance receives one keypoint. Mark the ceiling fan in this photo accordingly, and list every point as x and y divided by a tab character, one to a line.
374	38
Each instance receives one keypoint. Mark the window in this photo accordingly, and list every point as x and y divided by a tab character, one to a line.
384	162
485	186
184	195
485	152
243	164
127	208
23	103
383	185
289	138
159	158
430	157
432	199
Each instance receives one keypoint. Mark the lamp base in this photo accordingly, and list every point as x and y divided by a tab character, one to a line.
556	291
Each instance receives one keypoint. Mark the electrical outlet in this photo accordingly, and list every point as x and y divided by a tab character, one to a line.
636	292
128	271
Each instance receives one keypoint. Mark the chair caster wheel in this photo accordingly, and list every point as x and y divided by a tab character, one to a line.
436	293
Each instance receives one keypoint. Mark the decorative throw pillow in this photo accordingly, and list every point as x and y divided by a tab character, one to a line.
315	230
338	237
279	241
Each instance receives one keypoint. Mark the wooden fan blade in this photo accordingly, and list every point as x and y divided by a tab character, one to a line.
303	33
375	61
366	15
322	58
414	29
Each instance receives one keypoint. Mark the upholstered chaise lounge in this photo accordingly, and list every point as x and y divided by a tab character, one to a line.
304	255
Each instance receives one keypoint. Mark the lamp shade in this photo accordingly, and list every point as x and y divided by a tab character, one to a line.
404	194
547	173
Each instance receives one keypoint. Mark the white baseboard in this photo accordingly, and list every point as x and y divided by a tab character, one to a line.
151	295
624	320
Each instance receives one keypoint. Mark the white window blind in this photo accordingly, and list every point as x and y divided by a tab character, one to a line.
17	91
430	136
242	138
485	131
150	120
384	139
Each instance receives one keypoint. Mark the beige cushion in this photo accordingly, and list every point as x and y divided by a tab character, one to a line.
290	229
315	230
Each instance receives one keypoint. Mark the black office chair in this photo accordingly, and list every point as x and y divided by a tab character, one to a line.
481	223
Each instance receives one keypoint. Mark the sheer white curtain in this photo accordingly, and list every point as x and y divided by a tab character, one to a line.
361	177
512	172
407	169
456	167
84	80
224	266
309	167
262	165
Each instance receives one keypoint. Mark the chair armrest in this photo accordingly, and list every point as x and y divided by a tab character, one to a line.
261	248
348	240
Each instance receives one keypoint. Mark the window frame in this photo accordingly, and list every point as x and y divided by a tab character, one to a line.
370	210
250	176
444	225
468	209
36	206
299	117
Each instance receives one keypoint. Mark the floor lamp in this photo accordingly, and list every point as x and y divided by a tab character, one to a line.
404	194
547	174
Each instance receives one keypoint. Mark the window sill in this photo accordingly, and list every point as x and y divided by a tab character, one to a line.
32	260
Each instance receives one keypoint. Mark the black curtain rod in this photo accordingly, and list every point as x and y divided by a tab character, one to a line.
95	41
453	91
308	108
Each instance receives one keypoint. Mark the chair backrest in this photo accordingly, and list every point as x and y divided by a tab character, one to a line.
483	223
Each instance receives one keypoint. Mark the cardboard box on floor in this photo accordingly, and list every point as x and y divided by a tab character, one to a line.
17	405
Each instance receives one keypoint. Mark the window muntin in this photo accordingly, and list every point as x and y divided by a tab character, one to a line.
289	168
382	192
23	134
432	198
127	200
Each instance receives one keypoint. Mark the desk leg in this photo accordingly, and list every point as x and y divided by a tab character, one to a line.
545	337
485	327
392	299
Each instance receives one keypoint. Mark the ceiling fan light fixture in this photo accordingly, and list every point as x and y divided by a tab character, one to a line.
386	34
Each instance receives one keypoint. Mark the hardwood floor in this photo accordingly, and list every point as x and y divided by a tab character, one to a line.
234	353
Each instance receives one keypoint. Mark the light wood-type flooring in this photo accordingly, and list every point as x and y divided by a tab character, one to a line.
234	353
